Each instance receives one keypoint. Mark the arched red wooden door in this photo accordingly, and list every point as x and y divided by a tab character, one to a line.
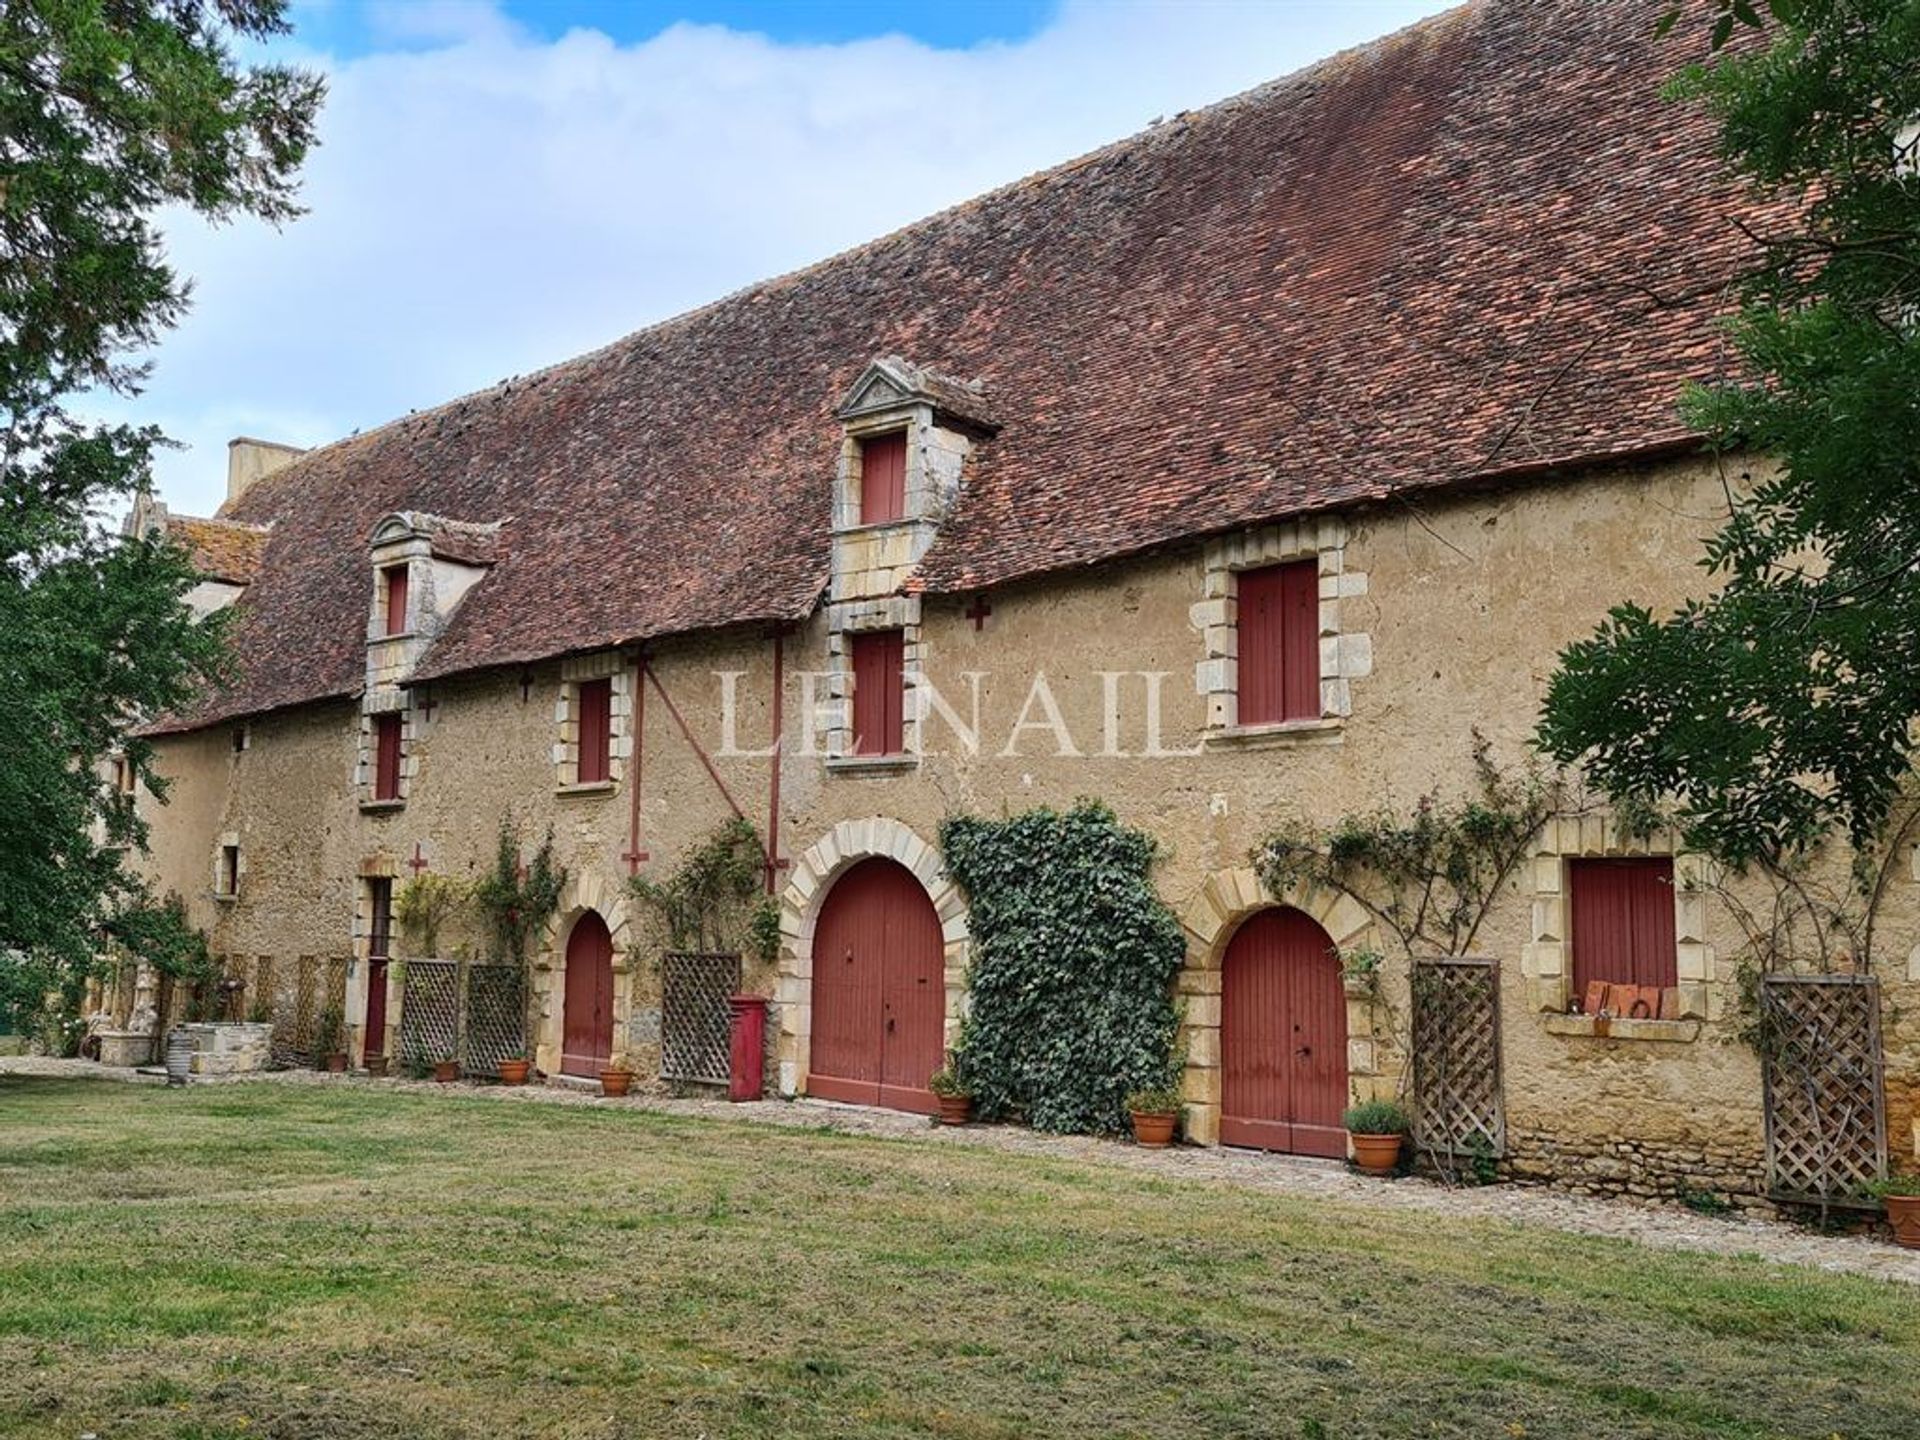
586	1042
879	990
1283	1038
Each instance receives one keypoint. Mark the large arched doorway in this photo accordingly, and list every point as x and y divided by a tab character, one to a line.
1283	1037
586	1027
879	990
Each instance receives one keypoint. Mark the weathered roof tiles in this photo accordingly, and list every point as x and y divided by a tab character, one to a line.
1430	260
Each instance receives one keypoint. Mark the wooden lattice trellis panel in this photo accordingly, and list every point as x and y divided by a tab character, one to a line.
695	1019
430	1012
294	1016
1825	1101
494	1026
1456	1056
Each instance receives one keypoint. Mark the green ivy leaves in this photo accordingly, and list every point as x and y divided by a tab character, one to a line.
1074	957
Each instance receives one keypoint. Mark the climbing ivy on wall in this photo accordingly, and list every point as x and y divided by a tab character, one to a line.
1074	956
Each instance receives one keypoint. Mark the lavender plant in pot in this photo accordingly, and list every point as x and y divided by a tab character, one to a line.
1377	1128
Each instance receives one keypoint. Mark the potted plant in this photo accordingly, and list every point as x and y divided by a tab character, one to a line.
1154	1111
513	1069
1377	1128
446	1069
327	1048
1900	1194
956	1101
615	1081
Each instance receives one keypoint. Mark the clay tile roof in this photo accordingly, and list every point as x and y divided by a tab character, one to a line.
220	549
461	540
1481	248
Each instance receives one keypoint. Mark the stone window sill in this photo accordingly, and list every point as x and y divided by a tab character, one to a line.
381	807
1593	1026
870	764
585	787
1284	735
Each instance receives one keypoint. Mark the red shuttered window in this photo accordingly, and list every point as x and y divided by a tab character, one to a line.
386	757
1279	618
596	731
878	692
1623	922
883	478
396	582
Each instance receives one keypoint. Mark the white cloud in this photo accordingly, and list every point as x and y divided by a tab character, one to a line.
495	202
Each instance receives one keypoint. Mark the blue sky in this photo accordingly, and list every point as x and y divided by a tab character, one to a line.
503	184
354	29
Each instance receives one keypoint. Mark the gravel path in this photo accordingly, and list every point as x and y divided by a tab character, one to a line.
1664	1227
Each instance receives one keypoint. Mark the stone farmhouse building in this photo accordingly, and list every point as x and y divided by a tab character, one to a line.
1240	470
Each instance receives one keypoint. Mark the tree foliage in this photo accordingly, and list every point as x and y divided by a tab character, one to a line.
1780	708
109	112
1074	957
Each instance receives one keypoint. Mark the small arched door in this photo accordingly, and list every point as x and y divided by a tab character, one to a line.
879	990
586	1041
1283	1038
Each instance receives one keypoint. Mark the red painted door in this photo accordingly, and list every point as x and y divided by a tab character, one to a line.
879	990
1283	1038
587	1022
373	1032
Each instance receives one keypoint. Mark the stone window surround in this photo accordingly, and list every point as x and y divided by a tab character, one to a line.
228	840
600	665
386	702
834	715
1547	959
1345	655
812	876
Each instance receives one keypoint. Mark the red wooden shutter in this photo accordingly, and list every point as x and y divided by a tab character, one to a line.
1623	922
596	731
1279	621
396	599
883	478
878	693
386	757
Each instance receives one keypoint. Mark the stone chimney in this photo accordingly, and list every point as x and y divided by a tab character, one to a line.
250	460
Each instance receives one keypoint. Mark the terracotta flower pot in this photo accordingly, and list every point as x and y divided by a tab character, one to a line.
514	1072
337	1063
955	1109
1377	1154
446	1071
1153	1129
1903	1213
615	1083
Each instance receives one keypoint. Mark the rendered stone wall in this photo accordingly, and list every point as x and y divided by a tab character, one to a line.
1464	608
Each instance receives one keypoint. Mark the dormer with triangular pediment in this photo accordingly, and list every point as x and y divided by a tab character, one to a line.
906	436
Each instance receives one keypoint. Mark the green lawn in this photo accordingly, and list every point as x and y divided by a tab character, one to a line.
347	1261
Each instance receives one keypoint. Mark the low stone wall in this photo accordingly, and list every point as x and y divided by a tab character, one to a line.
230	1049
125	1047
1645	1169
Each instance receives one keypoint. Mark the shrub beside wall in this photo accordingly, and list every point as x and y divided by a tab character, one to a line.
1074	957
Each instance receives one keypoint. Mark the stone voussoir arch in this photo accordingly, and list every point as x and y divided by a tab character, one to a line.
812	876
583	891
1218	908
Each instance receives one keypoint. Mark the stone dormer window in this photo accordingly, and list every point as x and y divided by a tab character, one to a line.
422	568
906	436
